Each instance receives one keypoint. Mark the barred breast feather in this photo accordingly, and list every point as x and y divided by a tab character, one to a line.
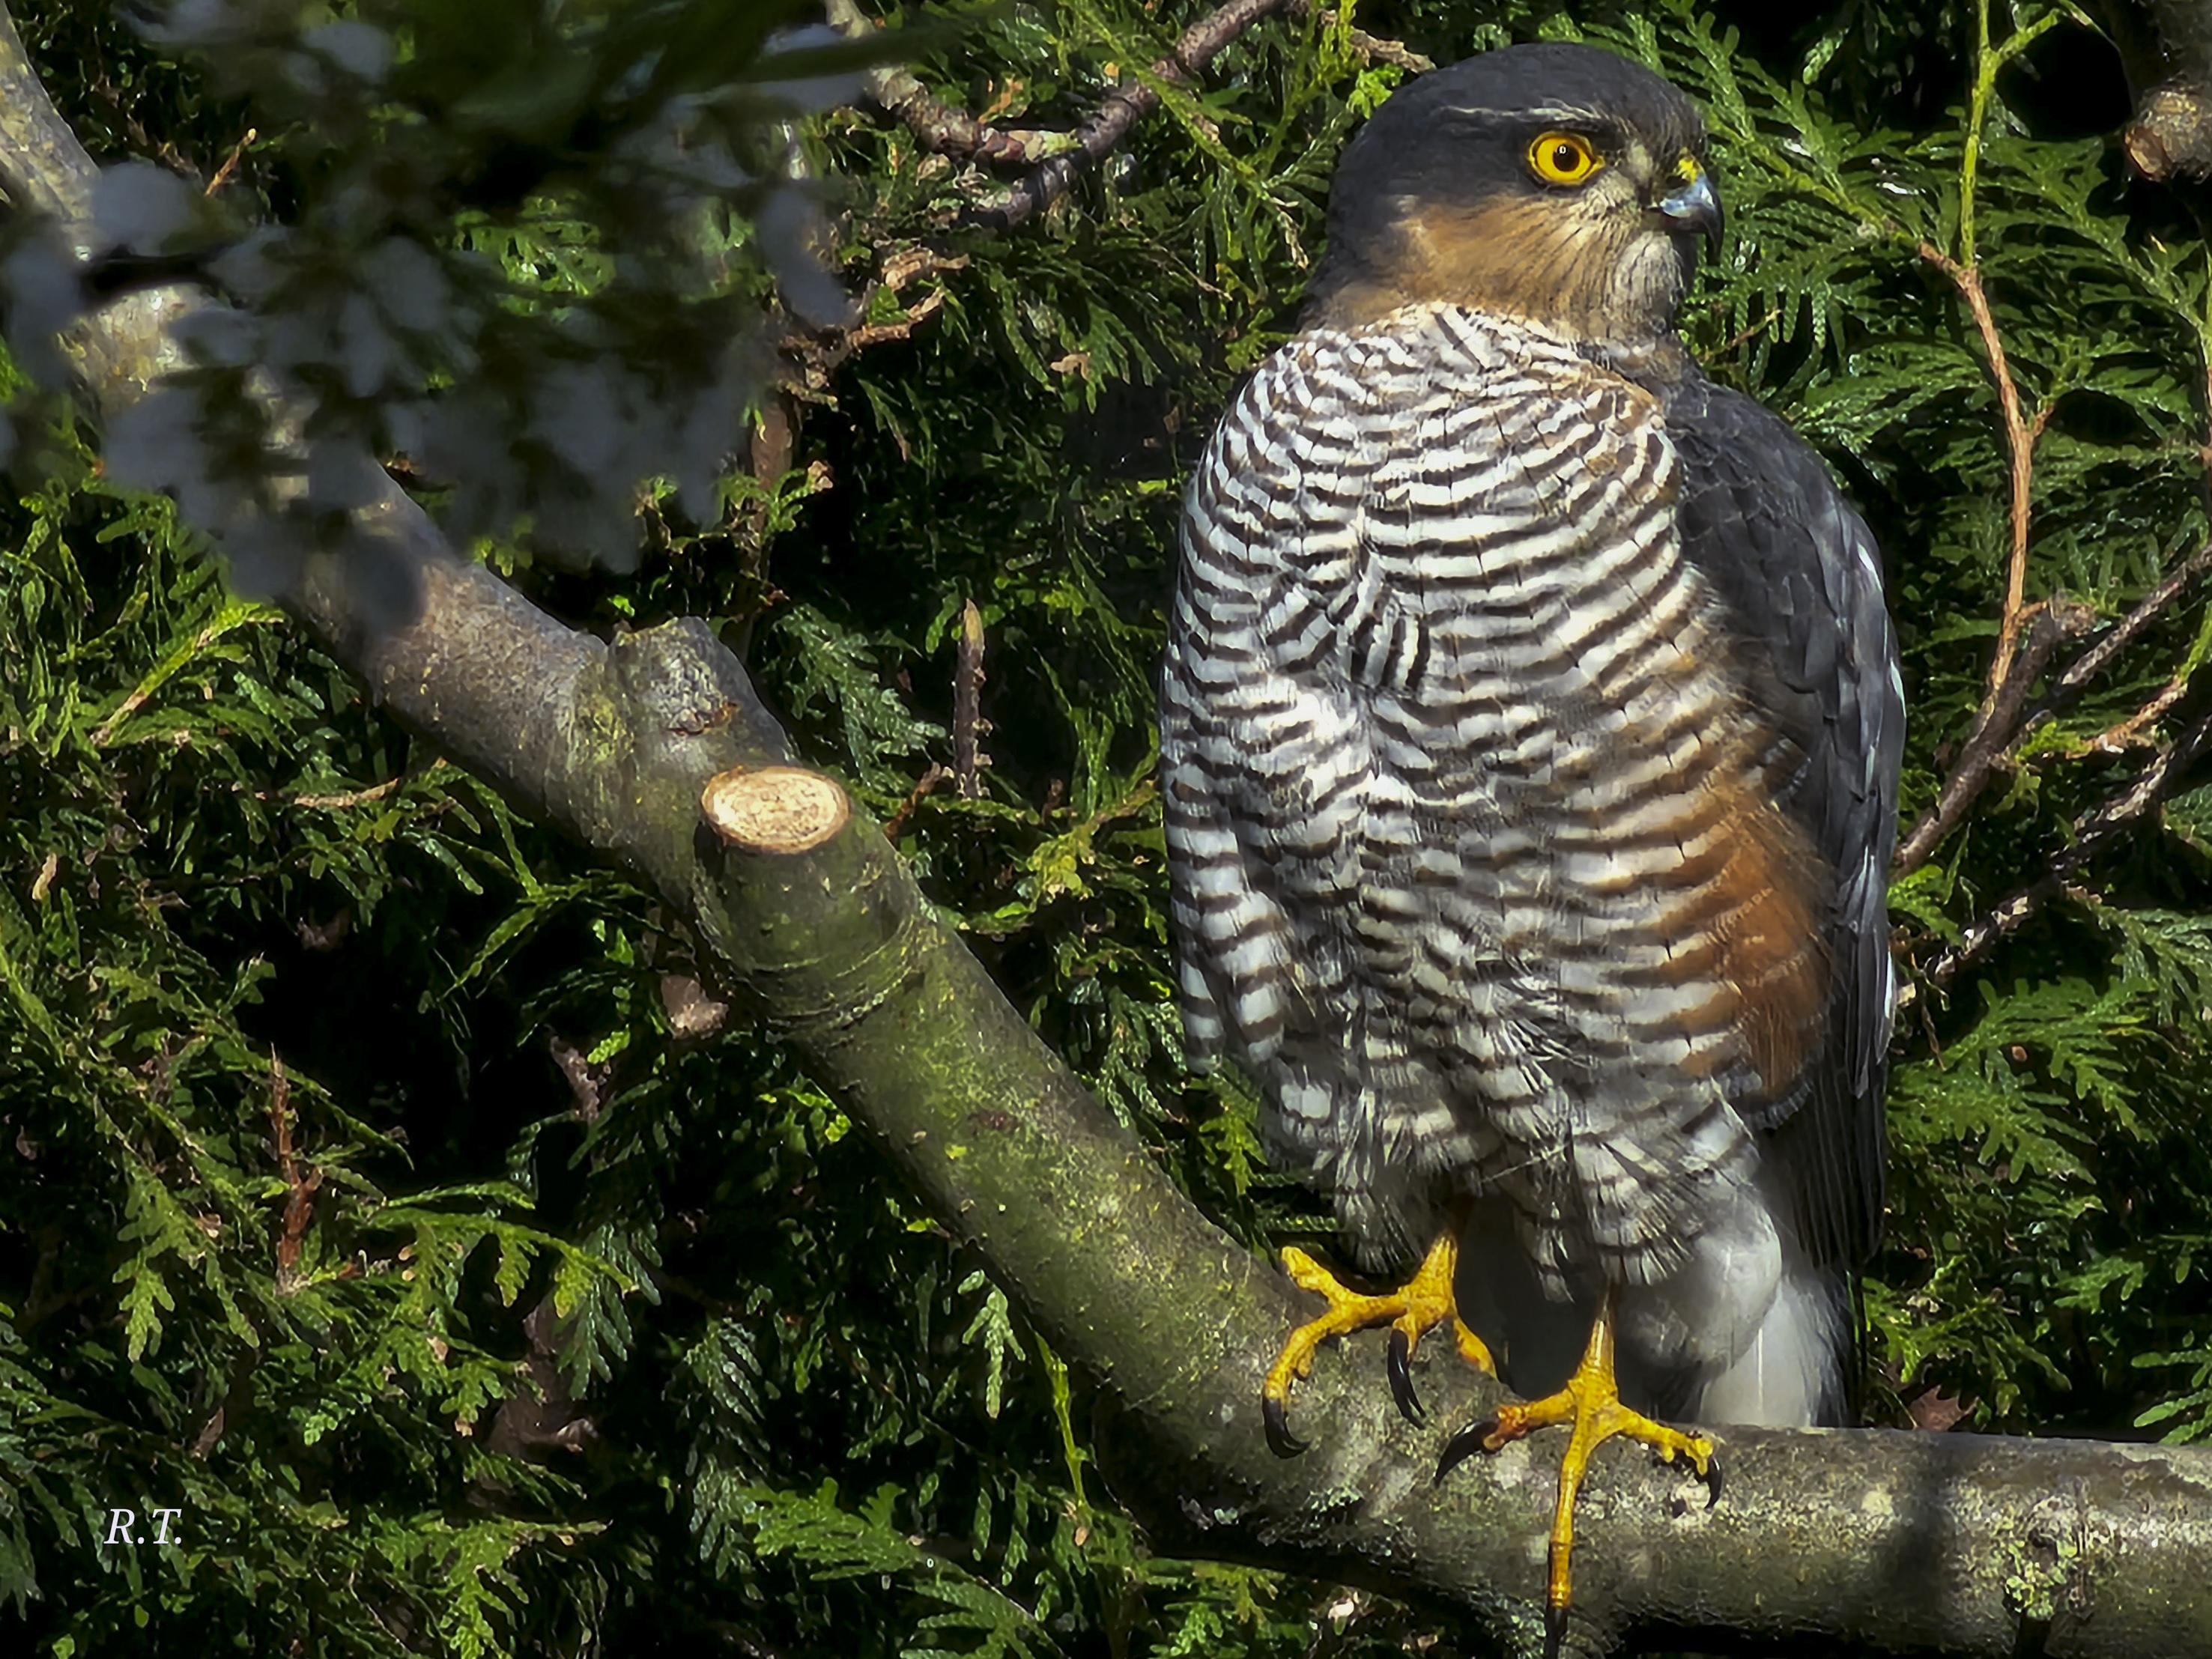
1475	849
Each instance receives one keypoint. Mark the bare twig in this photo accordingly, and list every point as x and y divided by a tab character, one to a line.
374	792
896	90
894	825
2022	432
868	334
968	758
298	1187
945	131
819	353
2153	605
1996	729
2118	735
1373	47
230	163
1199	46
2092	832
2004	722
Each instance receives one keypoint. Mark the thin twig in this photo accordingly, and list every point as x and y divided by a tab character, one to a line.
945	131
2001	726
2093	833
896	90
2153	605
1373	47
298	1187
2118	735
894	825
1199	46
230	163
968	758
1997	728
374	792
2020	435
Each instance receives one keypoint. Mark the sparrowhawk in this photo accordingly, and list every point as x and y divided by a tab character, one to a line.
1531	726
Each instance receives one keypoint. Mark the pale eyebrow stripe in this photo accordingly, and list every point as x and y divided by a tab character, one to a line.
1538	112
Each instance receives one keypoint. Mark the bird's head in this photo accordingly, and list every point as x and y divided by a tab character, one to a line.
1557	183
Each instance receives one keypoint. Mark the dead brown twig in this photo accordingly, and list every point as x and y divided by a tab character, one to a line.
894	825
2093	831
967	722
2022	432
2004	723
2008	719
1373	47
1998	727
2005	719
230	163
945	131
298	1187
1196	47
896	90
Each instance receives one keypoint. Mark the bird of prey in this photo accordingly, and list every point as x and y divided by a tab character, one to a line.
1531	726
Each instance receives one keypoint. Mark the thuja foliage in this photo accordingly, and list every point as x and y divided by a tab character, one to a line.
384	1187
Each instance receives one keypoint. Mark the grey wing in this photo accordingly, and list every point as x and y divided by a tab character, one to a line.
1798	570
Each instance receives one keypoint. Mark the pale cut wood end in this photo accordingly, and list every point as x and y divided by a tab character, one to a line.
773	808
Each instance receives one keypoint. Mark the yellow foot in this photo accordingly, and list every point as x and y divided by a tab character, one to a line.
1423	1302
1591	1402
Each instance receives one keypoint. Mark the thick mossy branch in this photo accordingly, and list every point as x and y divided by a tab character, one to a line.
1892	1542
2167	47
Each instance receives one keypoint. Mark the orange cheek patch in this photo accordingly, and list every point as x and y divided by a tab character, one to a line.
1520	258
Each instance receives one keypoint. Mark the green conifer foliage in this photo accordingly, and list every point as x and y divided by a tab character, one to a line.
388	1188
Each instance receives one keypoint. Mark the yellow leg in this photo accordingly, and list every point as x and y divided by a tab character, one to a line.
1423	1302
1591	1403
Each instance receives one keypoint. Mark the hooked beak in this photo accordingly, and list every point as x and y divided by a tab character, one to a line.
1694	205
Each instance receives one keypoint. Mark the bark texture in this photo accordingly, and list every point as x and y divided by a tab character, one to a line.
2166	48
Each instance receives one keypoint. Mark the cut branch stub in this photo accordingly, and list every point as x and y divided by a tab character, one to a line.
773	808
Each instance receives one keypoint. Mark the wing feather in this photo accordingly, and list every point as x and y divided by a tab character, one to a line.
1799	572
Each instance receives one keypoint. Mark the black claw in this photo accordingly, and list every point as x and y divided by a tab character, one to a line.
1463	1446
1711	1477
1555	1631
1399	1366
1274	1416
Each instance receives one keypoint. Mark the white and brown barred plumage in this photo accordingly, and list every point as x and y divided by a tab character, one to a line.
1531	736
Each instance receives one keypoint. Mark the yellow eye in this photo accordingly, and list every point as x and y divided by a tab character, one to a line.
1562	158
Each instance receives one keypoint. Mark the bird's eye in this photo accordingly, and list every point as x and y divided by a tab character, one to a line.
1562	158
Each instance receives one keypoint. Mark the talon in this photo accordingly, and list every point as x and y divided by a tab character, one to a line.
1400	1365
1590	1406
1424	1302
1474	1438
1710	1474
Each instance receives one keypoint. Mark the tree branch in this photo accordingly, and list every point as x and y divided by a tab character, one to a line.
1897	1542
897	90
2021	432
2148	609
1373	47
2092	832
1199	46
938	126
1996	730
2166	46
